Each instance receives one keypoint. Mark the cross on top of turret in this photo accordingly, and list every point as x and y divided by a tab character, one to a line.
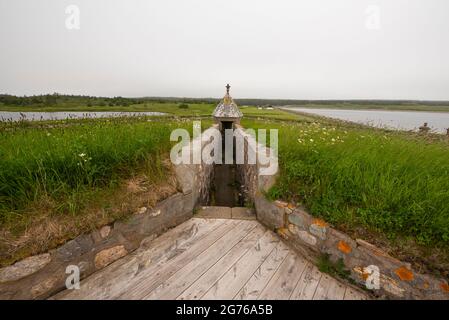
227	88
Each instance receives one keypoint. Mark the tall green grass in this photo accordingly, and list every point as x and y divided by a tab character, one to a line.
391	182
61	161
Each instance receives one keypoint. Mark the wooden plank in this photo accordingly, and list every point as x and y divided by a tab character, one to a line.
233	280
307	284
153	277
323	287
205	282
108	282
284	280
212	259
263	274
336	291
352	294
183	278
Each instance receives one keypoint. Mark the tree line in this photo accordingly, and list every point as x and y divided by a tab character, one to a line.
63	99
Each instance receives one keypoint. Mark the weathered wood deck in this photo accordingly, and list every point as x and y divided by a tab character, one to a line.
213	259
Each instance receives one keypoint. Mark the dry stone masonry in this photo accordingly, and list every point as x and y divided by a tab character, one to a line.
313	237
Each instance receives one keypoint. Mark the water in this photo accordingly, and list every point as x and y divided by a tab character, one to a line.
61	115
399	120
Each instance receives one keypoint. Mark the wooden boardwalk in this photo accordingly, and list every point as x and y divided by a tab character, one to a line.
213	259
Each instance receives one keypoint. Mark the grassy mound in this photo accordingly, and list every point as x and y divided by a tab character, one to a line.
391	182
64	178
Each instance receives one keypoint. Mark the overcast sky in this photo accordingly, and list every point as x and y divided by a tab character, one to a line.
303	49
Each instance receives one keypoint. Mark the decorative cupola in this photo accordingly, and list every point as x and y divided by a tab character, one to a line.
226	114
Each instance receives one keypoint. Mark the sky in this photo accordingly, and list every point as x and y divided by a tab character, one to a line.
292	49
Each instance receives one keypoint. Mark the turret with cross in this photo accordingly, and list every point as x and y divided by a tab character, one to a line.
227	113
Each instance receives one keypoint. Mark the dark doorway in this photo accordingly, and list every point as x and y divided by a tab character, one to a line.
226	125
225	187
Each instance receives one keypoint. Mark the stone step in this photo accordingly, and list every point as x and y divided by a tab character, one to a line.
217	212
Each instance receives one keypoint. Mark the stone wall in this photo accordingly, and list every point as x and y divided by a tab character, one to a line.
313	237
197	178
41	276
254	182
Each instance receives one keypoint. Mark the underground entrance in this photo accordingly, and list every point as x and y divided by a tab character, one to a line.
225	190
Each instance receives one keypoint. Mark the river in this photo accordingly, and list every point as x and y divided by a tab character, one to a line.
61	115
398	120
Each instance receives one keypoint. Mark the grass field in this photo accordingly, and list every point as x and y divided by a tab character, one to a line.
193	109
68	177
390	183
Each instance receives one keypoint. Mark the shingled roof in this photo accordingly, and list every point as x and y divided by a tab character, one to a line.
227	108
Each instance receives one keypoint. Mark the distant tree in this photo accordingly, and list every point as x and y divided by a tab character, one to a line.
50	99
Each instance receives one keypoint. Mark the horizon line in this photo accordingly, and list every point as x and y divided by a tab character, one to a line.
215	98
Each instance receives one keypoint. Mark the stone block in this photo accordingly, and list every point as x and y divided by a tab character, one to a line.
404	273
243	213
284	233
75	248
43	288
293	228
186	177
300	218
189	203
268	213
379	257
215	212
281	204
131	228
318	230
104	231
307	238
339	245
24	267
107	256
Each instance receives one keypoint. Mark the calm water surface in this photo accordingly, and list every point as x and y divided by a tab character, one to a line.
61	115
399	120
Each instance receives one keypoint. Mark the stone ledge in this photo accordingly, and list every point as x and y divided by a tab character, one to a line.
24	268
214	212
243	213
313	237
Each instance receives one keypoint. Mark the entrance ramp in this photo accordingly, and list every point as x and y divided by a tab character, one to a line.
213	258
